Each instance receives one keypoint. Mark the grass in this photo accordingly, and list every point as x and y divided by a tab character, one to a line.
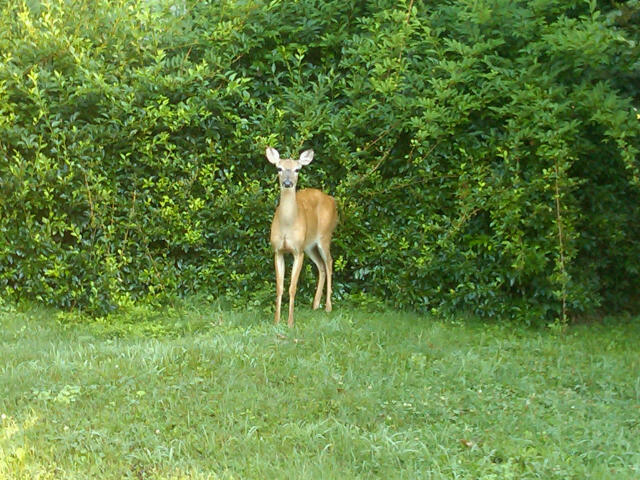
198	393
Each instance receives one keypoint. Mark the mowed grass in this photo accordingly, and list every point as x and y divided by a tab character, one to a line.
198	393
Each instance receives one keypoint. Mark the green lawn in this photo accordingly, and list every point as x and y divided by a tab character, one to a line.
197	393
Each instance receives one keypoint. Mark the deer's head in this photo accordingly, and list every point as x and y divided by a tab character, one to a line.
288	168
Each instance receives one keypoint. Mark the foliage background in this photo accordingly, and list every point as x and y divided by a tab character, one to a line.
484	154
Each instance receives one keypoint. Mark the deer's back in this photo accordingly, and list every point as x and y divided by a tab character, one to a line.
320	211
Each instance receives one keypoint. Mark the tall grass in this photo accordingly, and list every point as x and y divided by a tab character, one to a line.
198	393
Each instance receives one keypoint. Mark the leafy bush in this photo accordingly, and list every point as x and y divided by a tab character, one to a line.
484	154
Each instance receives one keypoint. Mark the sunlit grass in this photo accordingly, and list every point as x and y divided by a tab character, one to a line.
202	393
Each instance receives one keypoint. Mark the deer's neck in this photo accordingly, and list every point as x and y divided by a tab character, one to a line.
288	207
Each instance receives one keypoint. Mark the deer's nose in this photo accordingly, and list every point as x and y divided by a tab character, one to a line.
287	183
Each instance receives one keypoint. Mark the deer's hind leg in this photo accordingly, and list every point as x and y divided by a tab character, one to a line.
325	252
315	256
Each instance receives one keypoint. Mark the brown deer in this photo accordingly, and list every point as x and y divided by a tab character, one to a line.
303	223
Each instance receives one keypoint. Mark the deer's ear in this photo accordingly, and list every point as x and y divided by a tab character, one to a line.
272	155
306	157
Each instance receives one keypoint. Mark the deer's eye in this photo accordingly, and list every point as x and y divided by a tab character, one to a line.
280	169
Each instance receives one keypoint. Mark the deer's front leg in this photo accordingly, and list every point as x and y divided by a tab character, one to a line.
279	263
295	273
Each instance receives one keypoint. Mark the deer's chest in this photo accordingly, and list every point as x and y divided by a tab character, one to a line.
288	237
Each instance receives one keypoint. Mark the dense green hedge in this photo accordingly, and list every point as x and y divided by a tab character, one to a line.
484	153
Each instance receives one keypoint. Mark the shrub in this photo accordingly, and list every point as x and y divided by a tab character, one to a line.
484	154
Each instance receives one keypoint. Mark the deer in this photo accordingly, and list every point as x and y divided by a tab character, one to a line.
303	222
